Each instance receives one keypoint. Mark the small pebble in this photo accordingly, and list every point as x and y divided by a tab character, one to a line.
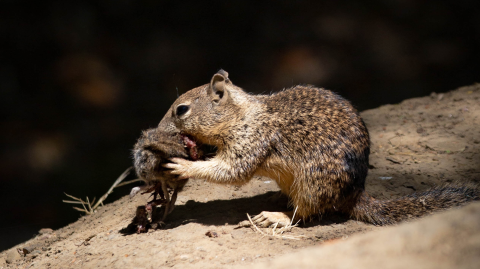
12	256
28	249
112	236
45	231
211	234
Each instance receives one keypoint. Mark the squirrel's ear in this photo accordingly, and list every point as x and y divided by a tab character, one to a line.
218	89
224	74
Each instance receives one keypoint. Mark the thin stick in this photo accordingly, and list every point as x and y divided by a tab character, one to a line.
71	202
89	206
84	207
74	198
91	209
119	179
80	209
275	227
294	212
128	182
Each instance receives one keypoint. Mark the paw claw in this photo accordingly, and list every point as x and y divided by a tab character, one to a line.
265	224
242	224
257	217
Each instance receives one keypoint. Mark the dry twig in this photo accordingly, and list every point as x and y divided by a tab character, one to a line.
90	207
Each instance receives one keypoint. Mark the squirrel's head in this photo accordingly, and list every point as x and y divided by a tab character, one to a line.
206	111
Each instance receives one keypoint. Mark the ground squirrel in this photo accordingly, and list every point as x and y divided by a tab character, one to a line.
153	148
311	141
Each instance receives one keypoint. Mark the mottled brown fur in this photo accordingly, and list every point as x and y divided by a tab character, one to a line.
311	141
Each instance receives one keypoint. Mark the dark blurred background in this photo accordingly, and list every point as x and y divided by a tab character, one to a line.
79	80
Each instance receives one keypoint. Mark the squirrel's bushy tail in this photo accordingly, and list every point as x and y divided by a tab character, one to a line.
382	212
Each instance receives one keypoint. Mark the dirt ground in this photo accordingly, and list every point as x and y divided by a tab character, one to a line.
415	145
446	240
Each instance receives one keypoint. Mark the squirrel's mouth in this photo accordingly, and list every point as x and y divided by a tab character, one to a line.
191	146
197	150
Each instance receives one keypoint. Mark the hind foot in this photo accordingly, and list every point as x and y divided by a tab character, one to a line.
270	219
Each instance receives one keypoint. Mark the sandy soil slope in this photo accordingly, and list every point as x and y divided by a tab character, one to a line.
446	240
415	145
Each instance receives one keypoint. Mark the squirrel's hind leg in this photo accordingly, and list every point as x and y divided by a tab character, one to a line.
269	219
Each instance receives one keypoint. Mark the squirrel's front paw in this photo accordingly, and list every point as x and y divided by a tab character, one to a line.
179	167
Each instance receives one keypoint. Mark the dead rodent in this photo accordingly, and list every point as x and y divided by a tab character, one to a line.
311	141
153	148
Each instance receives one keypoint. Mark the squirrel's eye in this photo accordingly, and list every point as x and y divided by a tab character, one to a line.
182	110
